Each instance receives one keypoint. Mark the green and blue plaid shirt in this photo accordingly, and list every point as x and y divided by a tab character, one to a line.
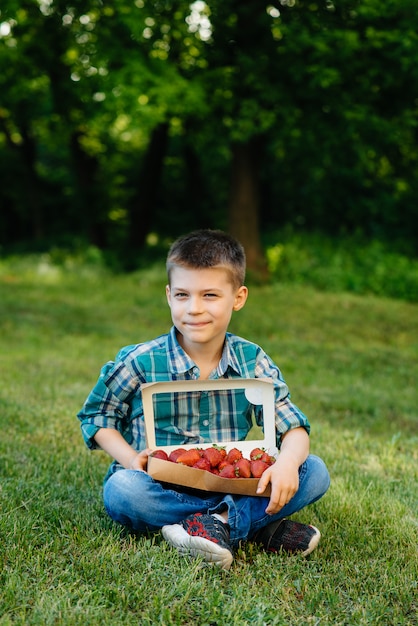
195	417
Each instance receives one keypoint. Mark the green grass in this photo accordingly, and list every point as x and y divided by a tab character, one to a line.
352	364
343	264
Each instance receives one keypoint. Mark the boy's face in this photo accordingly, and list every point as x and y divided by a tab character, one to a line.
201	303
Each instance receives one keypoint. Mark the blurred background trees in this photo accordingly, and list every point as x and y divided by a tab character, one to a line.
125	123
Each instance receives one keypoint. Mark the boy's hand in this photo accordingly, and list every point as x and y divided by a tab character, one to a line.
284	474
139	462
284	478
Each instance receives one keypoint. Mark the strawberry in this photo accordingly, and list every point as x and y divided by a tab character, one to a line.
233	455
188	457
213	455
175	453
160	454
267	458
228	471
242	468
203	464
257	453
258	467
222	451
222	464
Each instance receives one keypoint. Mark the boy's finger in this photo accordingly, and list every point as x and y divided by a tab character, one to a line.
262	484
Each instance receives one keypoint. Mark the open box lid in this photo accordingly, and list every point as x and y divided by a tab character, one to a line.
258	391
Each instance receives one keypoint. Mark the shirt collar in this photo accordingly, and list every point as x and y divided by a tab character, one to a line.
179	362
228	358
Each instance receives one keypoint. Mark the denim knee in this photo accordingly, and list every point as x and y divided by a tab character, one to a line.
319	475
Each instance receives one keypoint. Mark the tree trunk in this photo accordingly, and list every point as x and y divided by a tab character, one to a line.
31	183
89	201
22	220
244	205
142	206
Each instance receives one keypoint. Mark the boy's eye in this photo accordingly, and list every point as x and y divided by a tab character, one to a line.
211	295
180	294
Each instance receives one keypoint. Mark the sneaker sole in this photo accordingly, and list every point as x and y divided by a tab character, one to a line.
189	545
313	542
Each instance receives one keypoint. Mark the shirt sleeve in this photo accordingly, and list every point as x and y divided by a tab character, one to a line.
287	414
107	405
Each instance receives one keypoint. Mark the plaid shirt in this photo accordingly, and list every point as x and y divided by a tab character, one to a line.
195	417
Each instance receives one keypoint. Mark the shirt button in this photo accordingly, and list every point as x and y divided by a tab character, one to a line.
205	422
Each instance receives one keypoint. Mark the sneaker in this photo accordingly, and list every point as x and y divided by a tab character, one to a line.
201	535
288	536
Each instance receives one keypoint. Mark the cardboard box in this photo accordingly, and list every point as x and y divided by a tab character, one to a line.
258	392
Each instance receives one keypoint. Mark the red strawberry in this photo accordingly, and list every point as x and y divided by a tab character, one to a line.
203	464
228	471
267	458
160	454
257	453
175	453
222	464
233	455
243	468
258	467
213	455
189	457
222	451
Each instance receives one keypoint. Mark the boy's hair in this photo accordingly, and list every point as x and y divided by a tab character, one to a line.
206	248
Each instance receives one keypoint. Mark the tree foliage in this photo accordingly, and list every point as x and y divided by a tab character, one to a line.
119	119
350	70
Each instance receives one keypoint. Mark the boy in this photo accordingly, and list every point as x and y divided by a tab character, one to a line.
206	271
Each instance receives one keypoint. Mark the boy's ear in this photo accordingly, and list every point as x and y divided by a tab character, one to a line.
167	293
240	297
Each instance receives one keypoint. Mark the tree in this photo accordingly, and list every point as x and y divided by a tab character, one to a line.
117	119
45	121
347	151
241	70
102	93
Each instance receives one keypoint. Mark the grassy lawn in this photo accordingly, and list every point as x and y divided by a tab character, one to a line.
352	365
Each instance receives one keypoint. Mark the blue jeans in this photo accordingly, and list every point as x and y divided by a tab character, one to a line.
136	500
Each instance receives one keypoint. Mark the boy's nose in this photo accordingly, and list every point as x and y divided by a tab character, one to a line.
195	305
